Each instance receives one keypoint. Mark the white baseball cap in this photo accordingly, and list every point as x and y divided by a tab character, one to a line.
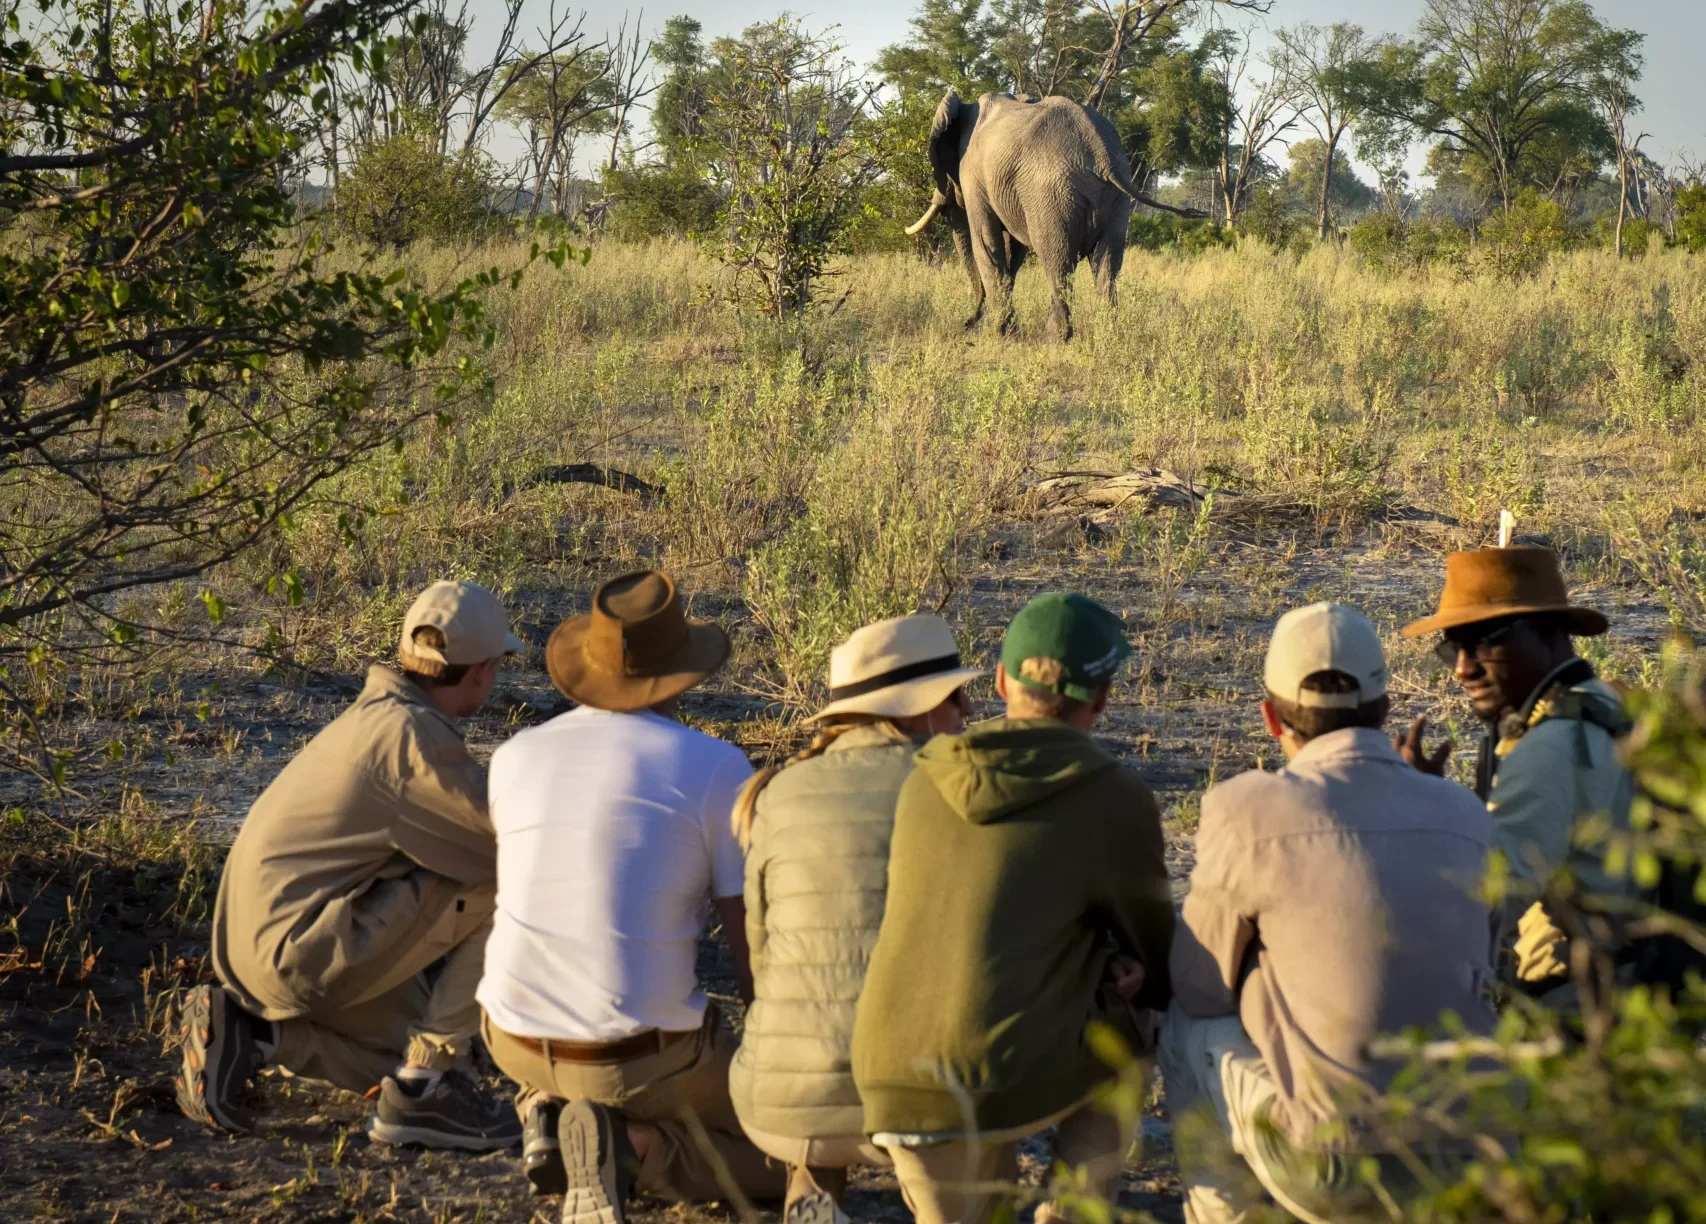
473	622
1325	637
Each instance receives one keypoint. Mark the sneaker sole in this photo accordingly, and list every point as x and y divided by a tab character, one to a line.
203	1028
588	1147
398	1135
817	1208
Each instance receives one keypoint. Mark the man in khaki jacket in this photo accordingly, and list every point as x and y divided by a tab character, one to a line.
352	917
1548	761
1332	902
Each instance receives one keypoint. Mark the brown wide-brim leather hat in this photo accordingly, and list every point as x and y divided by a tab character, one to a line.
635	648
1490	583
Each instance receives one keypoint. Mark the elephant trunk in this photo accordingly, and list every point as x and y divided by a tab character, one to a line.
929	214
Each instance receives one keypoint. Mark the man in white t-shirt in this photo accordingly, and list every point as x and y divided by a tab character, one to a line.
613	835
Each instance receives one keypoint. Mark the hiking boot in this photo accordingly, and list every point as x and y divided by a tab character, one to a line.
541	1155
597	1163
447	1113
222	1054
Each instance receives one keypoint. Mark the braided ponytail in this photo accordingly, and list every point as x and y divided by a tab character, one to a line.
746	803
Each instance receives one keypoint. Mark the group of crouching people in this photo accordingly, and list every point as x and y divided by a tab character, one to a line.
925	917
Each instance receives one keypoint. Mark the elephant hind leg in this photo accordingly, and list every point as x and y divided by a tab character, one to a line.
1108	255
963	245
1057	266
1106	259
989	252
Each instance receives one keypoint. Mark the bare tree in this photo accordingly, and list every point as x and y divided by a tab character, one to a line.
484	88
1130	22
631	81
1040	45
1614	93
1260	112
1320	58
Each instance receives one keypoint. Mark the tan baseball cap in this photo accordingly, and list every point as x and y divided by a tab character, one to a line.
1325	637
473	622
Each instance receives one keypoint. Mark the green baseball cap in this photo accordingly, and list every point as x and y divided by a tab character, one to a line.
1064	643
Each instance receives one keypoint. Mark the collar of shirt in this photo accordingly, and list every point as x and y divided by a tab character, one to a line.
1350	743
1579	670
382	681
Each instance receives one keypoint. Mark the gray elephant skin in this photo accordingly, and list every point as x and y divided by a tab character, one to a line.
1026	176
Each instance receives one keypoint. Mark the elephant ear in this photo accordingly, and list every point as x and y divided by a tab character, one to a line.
945	144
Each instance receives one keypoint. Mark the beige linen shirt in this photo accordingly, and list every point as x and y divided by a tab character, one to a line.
1332	903
387	788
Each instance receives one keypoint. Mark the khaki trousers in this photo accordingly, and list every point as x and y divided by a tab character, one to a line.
411	1002
818	1164
1219	1092
964	1181
682	1092
831	1152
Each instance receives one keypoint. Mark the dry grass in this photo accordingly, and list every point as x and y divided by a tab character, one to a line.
859	472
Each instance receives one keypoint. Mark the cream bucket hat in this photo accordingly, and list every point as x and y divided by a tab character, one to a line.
895	668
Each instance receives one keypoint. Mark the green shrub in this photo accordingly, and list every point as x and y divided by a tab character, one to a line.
1270	218
1519	241
659	201
1166	232
402	190
1381	240
1439	240
1388	242
1691	217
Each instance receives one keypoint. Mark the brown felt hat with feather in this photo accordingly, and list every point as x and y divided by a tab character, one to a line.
1490	583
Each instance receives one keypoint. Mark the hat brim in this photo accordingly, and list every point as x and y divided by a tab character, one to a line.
907	699
706	651
513	644
1583	622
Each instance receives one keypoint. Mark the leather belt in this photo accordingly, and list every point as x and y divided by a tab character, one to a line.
623	1049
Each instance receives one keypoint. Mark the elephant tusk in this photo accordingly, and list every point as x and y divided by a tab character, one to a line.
924	220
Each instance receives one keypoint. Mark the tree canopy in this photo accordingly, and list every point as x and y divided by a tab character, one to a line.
1507	86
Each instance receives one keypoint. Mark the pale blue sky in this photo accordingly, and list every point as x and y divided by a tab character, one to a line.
1673	91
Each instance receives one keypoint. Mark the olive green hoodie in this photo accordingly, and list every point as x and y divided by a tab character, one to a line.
1020	848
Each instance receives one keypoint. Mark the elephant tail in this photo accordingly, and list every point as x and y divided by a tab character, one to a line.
1087	180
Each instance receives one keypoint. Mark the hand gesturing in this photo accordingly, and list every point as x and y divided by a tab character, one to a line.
1411	748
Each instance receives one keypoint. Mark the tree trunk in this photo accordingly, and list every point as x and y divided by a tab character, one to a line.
541	167
1622	192
619	121
1326	188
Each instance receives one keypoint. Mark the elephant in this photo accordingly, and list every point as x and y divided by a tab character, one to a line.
1022	175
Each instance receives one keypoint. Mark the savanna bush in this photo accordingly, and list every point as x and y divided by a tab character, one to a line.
1691	217
1520	239
402	190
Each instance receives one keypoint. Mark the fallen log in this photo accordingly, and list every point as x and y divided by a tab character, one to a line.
588	473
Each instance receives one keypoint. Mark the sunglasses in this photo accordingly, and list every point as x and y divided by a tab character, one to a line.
1475	644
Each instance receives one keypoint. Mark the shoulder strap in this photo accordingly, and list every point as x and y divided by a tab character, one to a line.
1578	706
